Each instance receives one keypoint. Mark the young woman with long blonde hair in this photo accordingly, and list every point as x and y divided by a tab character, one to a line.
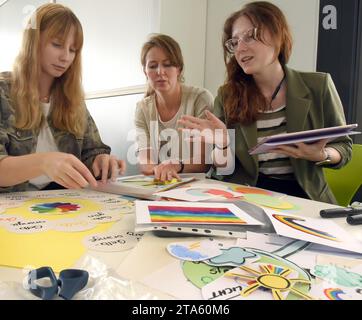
47	136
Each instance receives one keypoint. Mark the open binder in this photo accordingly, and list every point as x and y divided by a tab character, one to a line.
309	136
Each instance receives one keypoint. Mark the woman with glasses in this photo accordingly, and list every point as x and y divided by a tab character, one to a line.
263	97
48	139
162	150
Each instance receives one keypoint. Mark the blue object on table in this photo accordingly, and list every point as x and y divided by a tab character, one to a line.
43	292
70	282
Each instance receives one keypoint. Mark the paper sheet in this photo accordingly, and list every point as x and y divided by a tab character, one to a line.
50	248
319	231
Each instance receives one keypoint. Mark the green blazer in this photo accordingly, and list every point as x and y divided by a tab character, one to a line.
312	103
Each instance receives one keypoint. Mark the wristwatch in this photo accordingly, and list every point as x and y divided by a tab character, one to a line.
326	161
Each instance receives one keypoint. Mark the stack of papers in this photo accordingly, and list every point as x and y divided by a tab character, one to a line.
144	187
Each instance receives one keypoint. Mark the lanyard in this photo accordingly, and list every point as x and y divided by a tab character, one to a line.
277	89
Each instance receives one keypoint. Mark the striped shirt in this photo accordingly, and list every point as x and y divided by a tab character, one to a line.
272	164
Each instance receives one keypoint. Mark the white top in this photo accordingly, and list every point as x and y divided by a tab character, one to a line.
46	143
163	138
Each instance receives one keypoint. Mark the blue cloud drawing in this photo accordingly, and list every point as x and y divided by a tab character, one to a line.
235	256
185	253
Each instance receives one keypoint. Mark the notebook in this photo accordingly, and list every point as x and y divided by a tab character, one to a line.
309	136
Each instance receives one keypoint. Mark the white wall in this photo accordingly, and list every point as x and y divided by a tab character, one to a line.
303	20
14	16
114	32
185	21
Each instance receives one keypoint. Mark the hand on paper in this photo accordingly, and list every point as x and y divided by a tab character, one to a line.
312	152
167	170
67	170
210	130
103	163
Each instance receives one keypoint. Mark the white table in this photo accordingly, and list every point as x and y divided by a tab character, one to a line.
150	254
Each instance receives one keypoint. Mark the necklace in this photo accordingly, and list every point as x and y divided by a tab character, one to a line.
44	99
276	91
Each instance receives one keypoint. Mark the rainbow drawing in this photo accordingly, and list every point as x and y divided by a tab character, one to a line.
333	293
184	214
55	208
290	221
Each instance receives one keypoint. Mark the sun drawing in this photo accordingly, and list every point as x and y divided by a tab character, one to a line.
270	277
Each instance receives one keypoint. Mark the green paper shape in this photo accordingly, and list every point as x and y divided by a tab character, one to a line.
339	276
200	274
267	201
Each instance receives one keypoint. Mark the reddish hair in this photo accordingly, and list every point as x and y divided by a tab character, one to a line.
242	98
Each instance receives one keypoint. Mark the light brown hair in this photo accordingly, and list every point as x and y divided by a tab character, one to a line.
68	113
242	98
171	49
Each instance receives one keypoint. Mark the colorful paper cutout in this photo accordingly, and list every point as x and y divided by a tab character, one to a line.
268	201
251	190
325	291
279	280
199	193
55	208
338	276
234	257
194	251
334	293
229	288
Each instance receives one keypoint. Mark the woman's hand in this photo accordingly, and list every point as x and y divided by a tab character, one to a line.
147	169
103	163
167	170
211	130
312	152
67	170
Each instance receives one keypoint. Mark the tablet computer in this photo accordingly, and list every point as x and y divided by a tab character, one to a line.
309	136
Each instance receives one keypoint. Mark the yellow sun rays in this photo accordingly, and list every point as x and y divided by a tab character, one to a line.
270	277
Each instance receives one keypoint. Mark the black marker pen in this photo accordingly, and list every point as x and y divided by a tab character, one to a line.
355	219
340	212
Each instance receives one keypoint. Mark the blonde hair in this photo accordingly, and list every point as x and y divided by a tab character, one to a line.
68	113
171	49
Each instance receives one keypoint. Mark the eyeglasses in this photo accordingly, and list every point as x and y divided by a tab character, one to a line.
247	38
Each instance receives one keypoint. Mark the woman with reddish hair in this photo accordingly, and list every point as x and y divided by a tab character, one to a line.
261	97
